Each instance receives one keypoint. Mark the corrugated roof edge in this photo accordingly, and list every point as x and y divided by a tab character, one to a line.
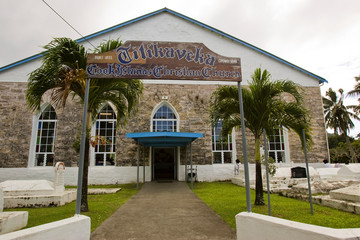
321	80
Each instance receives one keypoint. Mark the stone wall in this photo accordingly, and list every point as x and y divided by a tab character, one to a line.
318	152
190	101
67	131
15	125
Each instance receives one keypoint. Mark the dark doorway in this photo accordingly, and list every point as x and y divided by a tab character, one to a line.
164	163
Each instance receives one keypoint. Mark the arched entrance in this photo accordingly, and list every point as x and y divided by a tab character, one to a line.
164	118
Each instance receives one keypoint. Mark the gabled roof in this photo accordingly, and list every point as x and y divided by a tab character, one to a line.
321	80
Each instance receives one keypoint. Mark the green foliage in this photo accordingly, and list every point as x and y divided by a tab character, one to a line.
337	115
62	74
341	152
271	163
227	200
98	213
356	92
334	140
265	107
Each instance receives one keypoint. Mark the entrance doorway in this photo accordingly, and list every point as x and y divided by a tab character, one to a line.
164	164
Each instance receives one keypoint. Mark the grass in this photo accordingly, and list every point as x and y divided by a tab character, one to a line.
101	207
224	198
227	200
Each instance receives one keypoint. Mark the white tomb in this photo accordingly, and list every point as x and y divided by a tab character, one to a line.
38	193
351	171
27	187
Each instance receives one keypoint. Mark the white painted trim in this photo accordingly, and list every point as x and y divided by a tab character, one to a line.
74	228
178	162
93	132
188	82
272	228
287	145
233	135
31	160
35	123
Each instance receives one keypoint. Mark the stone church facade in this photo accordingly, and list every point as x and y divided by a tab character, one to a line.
30	143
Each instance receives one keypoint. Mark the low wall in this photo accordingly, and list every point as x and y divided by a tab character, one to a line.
97	175
206	173
252	226
113	175
74	228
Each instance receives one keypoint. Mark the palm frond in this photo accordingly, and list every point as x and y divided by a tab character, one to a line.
264	106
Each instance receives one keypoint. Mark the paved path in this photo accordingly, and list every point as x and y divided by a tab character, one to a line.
167	210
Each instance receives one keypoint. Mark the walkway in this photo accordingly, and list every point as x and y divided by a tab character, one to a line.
166	210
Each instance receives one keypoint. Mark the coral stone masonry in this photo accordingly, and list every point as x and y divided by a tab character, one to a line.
32	143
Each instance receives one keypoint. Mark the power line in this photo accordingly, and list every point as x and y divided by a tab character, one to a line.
68	23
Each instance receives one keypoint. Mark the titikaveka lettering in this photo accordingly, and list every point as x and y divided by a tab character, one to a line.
126	56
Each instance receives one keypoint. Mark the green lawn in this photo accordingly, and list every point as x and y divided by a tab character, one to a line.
101	207
227	200
224	198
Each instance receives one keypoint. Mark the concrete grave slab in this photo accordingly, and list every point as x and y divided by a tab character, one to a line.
12	221
27	187
285	172
325	173
56	199
350	171
351	193
96	191
322	186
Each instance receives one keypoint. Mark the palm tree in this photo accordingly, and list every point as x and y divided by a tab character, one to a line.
264	108
338	116
62	74
356	92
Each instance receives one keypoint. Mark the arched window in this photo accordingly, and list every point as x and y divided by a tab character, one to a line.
164	120
45	139
105	137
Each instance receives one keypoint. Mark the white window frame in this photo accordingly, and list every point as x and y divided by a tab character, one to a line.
34	136
229	142
284	144
95	132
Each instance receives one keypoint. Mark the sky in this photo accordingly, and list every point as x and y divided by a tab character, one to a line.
321	36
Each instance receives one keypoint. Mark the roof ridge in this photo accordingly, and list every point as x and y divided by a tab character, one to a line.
185	18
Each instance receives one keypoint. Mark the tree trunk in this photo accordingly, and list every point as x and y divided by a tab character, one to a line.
259	195
84	190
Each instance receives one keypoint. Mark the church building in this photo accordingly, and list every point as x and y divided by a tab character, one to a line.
32	142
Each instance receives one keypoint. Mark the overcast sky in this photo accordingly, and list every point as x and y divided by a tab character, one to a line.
321	36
